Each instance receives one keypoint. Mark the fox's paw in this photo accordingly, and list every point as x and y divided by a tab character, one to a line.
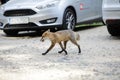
43	53
79	53
60	51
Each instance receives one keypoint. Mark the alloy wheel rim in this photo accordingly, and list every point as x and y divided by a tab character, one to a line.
70	20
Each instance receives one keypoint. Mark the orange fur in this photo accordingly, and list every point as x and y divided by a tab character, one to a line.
59	37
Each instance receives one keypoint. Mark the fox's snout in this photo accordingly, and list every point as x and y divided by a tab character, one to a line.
42	39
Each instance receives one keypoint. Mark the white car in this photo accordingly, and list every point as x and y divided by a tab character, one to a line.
22	15
111	16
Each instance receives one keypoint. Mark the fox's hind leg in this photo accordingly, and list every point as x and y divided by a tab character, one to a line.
62	48
75	42
52	45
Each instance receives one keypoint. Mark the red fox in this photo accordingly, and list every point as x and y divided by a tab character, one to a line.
59	37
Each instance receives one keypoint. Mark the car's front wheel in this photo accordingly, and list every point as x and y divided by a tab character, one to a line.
69	19
114	30
10	32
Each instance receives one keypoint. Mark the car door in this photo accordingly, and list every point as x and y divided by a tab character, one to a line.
96	9
83	10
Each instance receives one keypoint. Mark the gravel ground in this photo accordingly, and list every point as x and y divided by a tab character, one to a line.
21	59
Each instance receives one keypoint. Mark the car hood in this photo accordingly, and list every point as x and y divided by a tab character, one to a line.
15	4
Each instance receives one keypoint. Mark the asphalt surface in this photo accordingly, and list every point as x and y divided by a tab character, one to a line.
21	59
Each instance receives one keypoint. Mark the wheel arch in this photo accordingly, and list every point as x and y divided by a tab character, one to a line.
72	8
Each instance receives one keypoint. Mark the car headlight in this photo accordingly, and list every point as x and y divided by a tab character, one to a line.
47	5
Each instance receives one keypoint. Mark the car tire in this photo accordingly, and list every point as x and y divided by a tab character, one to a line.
69	19
10	32
114	30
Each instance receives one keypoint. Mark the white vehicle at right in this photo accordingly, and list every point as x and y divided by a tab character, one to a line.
111	16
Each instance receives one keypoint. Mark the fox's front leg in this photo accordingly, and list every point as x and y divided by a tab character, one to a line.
62	48
65	42
52	45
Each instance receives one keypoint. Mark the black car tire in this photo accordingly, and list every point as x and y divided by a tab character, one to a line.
114	30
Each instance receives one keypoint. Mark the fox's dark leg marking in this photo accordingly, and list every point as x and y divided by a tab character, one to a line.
65	43
60	51
62	48
52	45
79	49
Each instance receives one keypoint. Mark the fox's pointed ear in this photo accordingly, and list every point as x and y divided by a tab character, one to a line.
48	30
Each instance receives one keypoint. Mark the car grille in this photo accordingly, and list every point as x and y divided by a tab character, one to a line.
20	12
20	26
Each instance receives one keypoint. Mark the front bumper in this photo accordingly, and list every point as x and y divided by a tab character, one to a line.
29	26
111	14
48	18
